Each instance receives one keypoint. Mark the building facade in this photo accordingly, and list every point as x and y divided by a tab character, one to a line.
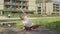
1	6
42	7
32	5
56	8
17	5
49	8
13	5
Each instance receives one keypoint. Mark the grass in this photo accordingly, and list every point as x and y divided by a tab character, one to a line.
47	22
39	15
53	23
16	15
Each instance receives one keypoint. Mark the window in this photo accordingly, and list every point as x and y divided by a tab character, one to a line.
53	10
23	1
16	6
7	0
57	7
39	10
57	10
57	4
13	0
39	7
57	13
20	6
23	6
18	1
39	13
54	7
54	4
27	7
13	6
7	6
53	13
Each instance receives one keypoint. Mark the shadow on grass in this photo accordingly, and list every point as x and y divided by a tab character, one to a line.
54	25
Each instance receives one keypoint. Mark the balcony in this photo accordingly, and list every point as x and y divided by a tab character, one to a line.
17	4
18	9
13	3
39	5
14	9
9	9
21	4
7	3
25	4
22	0
25	9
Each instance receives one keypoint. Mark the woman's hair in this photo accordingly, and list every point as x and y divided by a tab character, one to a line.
21	15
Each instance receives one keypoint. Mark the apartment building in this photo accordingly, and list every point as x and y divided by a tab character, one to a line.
56	8
29	6
13	6
49	8
32	5
40	1
17	5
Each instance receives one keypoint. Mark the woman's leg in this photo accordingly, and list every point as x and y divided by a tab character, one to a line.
27	28
35	26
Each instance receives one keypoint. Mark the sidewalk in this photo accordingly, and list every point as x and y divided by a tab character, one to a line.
42	30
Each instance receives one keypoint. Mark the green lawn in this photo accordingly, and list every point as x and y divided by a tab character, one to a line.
47	22
43	21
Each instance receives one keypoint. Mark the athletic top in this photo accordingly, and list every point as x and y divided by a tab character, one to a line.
27	22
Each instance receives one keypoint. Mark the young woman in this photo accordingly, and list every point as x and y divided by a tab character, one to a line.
28	25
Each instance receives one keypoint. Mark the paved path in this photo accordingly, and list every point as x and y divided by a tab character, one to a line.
42	30
30	18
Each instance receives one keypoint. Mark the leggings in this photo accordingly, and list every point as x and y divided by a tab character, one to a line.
32	27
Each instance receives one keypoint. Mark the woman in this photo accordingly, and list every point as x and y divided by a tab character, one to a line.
28	25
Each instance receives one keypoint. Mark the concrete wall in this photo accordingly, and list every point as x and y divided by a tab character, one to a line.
32	5
49	8
1	4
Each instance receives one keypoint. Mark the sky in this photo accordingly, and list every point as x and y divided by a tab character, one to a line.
57	0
